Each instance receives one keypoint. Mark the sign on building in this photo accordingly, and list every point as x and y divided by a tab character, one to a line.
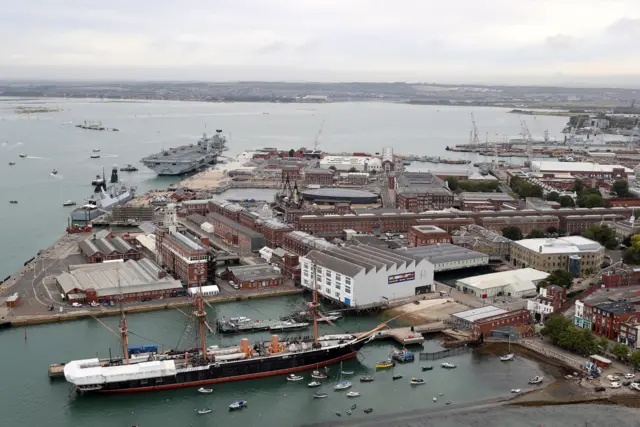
406	277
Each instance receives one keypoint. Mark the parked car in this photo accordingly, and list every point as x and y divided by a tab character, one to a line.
76	304
94	304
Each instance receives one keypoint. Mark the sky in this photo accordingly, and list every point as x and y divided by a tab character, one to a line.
447	41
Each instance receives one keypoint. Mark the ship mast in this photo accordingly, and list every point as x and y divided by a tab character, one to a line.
124	331
314	307
201	314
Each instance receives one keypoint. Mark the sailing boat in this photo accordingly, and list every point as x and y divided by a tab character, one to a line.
204	365
509	356
342	385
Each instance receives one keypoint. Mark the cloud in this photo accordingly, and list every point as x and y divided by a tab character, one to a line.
425	40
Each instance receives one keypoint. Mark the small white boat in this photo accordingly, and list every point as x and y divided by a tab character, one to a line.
448	365
417	381
204	411
205	390
342	385
22	155
315	384
347	372
515	390
353	394
448	402
507	357
435	399
536	380
318	375
96	150
238	404
294	377
69	203
12	163
320	395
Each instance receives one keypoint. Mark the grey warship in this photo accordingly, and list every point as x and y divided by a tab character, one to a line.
187	158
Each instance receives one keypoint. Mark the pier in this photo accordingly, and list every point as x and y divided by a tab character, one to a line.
409	335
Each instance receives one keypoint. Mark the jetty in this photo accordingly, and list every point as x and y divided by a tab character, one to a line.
408	335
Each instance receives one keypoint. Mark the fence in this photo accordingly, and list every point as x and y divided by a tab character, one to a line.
551	353
445	353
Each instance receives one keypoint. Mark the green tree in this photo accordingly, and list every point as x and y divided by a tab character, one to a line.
620	350
560	278
635	357
602	234
591	201
453	183
554	196
524	188
513	233
552	230
292	152
566	202
603	343
632	253
353	169
621	188
333	168
578	185
536	234
555	326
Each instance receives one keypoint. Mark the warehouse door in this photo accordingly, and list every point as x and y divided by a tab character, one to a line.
423	289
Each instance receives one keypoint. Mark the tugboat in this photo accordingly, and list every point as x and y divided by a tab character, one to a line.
129	168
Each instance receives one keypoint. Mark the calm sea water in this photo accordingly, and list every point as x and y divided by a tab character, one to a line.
52	141
28	398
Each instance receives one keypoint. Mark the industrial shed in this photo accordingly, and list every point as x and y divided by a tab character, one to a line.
516	283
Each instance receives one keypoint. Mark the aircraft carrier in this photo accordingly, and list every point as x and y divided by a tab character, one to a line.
187	158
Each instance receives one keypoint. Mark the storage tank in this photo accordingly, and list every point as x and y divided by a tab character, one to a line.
574	265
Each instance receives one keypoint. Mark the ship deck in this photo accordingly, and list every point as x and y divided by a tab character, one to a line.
180	154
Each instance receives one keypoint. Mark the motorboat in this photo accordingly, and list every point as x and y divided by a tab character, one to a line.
347	372
54	172
440	394
95	156
315	384
14	202
349	412
205	390
342	385
536	380
397	377
616	384
366	379
12	163
448	402
515	390
353	394
320	395
417	381
385	364
338	413
294	377
435	399
368	410
204	411
427	368
354	406
507	357
238	404
22	155
448	365
96	150
129	168
318	375
69	203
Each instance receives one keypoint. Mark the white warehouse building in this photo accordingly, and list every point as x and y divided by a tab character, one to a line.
520	283
366	276
345	163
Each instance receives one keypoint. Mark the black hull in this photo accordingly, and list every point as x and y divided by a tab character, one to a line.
236	371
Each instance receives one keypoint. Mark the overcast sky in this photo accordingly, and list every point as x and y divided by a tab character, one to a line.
452	41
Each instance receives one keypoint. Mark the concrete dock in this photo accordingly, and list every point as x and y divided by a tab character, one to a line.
411	335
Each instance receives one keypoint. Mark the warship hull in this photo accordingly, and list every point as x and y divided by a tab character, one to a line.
162	167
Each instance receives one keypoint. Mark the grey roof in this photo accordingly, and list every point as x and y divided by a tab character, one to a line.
185	242
351	260
377	211
473	196
279	252
338	192
147	227
197	218
443	252
309	240
318	171
104	246
115	278
479	313
235	225
254	272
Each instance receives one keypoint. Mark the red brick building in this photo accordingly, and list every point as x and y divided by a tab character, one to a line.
422	235
252	276
288	263
447	224
606	318
108	248
274	231
301	243
525	223
186	259
234	233
516	318
319	177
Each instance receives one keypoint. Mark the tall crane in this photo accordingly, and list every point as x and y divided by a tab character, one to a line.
316	140
474	139
526	137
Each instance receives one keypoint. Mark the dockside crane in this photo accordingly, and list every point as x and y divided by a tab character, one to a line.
316	140
526	137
